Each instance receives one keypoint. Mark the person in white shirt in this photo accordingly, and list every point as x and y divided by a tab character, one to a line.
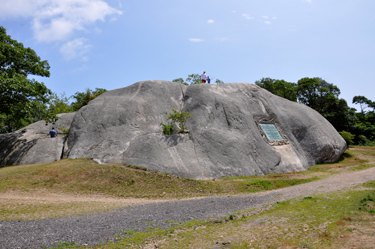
204	77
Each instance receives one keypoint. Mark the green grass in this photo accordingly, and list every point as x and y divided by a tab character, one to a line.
84	176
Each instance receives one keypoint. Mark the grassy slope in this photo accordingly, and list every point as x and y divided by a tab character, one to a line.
83	176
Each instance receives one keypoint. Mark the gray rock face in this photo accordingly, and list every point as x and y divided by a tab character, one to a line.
123	126
28	145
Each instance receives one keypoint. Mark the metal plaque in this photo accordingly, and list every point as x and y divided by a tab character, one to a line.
271	132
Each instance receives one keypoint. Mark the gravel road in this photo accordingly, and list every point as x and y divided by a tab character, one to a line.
98	228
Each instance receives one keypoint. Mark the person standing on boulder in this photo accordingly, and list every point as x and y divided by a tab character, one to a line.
204	77
52	132
208	80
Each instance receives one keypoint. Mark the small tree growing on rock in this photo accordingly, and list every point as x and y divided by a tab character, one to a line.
176	117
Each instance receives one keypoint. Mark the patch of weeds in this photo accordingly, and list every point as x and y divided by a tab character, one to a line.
65	132
64	245
167	128
368	204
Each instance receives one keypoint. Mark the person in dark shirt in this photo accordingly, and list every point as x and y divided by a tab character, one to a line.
52	132
208	80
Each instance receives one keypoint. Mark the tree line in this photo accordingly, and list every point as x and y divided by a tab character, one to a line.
356	127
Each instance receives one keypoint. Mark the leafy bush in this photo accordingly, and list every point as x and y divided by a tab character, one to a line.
348	137
167	128
362	140
179	117
175	117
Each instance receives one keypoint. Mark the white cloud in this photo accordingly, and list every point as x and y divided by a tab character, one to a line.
195	40
246	16
265	17
274	17
75	48
210	21
267	22
308	1
56	20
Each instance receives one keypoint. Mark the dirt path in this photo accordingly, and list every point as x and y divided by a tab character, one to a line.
99	228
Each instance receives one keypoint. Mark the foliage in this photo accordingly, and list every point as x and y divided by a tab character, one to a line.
279	87
363	102
65	132
59	104
180	80
317	93
83	98
348	137
365	125
194	79
218	82
167	128
179	117
22	100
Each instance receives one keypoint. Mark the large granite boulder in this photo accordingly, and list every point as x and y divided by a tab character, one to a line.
29	145
224	139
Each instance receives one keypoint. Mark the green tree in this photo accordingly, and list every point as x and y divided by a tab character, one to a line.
363	102
22	100
281	88
180	80
59	104
218	82
193	79
348	137
365	125
83	98
317	94
179	117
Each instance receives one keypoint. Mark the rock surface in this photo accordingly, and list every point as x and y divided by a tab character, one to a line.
123	126
224	139
28	146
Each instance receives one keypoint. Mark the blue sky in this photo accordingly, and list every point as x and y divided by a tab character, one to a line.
115	43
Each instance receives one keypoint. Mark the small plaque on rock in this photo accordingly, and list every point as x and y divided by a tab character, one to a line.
271	132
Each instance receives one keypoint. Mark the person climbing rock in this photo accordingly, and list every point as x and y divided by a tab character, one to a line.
52	132
204	77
